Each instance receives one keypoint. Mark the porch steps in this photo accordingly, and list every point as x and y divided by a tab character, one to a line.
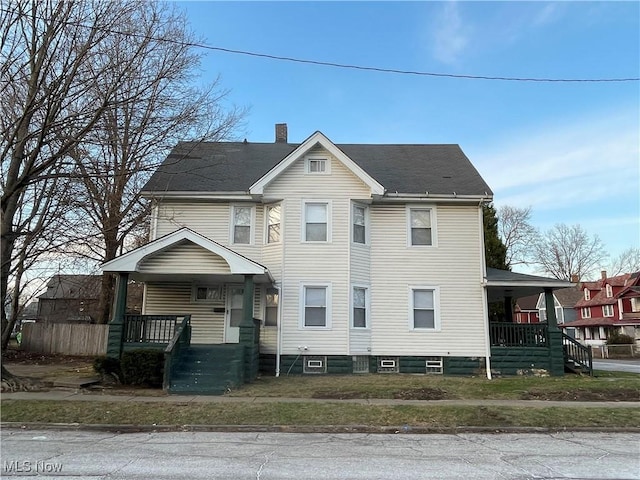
208	369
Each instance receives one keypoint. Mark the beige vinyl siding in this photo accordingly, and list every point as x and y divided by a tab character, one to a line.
453	266
360	342
185	258
312	263
213	220
360	263
174	298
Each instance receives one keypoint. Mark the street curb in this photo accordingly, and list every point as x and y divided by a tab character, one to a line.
336	429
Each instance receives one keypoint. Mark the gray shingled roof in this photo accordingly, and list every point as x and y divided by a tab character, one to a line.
235	166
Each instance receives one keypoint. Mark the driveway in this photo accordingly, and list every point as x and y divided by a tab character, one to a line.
614	365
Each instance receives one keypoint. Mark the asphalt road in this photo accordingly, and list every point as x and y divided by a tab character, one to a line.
615	365
266	456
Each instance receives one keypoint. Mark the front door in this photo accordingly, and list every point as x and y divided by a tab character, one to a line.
234	314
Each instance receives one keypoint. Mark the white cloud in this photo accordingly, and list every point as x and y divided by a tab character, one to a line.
450	36
566	164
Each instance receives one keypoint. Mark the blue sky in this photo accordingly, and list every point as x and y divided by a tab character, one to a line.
568	150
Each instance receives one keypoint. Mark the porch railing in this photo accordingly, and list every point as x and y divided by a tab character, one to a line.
150	328
518	335
181	339
576	355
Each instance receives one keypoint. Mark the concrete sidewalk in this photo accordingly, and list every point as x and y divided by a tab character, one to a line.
76	395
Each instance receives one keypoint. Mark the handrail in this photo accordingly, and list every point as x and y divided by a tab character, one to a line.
149	328
577	353
181	337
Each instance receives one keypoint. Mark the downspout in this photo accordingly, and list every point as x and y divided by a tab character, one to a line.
281	289
279	331
485	308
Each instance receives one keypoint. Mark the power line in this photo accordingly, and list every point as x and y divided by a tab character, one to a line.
352	66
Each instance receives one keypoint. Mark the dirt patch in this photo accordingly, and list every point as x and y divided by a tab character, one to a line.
337	395
31	358
421	394
585	395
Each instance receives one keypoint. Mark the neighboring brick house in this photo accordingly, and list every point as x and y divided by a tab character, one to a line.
607	305
526	309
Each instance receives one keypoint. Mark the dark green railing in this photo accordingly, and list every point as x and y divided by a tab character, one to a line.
576	355
150	328
180	340
518	335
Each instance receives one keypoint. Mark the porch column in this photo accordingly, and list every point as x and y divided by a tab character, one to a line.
508	309
249	332
554	335
247	302
116	325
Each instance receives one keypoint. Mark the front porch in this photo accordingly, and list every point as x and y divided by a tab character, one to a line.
540	348
215	286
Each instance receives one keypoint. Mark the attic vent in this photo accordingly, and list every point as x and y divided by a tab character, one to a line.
388	365
315	364
434	365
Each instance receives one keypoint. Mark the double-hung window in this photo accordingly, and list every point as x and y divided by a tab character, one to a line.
607	310
271	307
609	291
316	306
420	226
274	220
585	312
359	224
360	302
242	219
424	313
316	222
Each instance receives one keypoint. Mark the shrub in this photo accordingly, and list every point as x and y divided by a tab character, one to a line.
143	367
108	368
620	339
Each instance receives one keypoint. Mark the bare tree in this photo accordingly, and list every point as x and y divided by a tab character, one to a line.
565	251
628	261
51	52
116	158
517	233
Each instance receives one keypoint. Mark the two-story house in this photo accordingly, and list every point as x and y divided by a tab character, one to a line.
607	305
350	258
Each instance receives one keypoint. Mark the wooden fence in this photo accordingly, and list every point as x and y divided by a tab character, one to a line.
65	338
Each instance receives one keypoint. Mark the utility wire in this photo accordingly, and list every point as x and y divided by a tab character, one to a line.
351	66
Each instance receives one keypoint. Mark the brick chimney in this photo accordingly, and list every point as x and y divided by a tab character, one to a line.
281	133
603	273
575	278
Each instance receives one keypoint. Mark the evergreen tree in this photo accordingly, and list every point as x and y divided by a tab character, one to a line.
495	251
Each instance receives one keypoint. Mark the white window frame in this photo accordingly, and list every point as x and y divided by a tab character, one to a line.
303	224
267	224
328	297
608	311
355	205
587	294
367	307
434	230
232	224
608	290
635	304
219	297
309	160
436	308
585	312
266	306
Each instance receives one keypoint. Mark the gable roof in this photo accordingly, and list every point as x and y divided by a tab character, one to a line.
73	286
599	292
129	262
233	167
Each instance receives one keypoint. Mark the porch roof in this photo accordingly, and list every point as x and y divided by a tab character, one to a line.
503	283
239	265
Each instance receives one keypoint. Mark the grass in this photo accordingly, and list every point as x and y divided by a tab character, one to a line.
607	385
310	414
